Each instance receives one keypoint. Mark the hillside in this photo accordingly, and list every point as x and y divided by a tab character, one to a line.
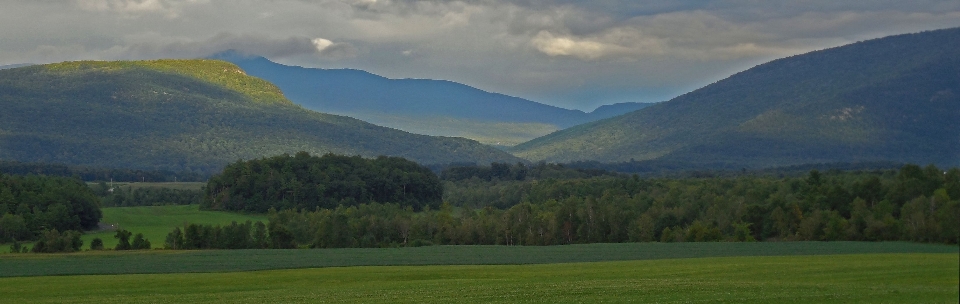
890	99
193	115
422	106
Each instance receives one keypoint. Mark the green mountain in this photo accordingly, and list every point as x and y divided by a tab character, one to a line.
192	115
890	99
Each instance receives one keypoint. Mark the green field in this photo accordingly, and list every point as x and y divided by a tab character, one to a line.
862	278
760	272
164	261
155	222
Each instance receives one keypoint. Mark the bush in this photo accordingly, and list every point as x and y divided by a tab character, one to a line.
96	244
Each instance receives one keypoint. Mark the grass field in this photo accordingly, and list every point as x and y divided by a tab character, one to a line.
163	261
155	222
861	278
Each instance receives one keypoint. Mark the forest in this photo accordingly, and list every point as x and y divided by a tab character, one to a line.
33	205
309	182
913	203
334	201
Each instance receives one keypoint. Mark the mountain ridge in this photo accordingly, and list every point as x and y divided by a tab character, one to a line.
408	103
148	115
838	104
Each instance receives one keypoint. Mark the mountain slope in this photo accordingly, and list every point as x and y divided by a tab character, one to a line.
432	107
184	115
617	109
894	98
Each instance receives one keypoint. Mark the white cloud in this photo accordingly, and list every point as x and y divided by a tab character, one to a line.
567	46
321	44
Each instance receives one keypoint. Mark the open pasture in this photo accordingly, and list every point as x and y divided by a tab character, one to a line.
858	278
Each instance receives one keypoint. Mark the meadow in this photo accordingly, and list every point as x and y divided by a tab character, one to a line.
856	278
155	222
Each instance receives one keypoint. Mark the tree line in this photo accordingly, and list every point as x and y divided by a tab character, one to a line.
910	204
146	196
308	182
519	172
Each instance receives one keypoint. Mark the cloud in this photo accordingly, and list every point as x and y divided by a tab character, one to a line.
133	8
321	44
333	50
567	46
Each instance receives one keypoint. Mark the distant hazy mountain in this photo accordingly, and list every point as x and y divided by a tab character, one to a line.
12	66
185	115
890	99
432	107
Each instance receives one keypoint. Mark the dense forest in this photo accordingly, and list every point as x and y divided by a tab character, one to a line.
910	204
308	182
34	205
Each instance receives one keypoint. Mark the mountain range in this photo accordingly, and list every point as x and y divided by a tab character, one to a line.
893	99
185	115
889	99
422	106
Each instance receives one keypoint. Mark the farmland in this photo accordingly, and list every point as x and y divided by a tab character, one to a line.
926	278
155	222
169	261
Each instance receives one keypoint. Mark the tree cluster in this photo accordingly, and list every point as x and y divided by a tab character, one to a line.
912	204
123	241
32	204
309	182
52	241
245	235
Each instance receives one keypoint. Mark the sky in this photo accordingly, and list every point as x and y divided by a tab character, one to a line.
571	54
